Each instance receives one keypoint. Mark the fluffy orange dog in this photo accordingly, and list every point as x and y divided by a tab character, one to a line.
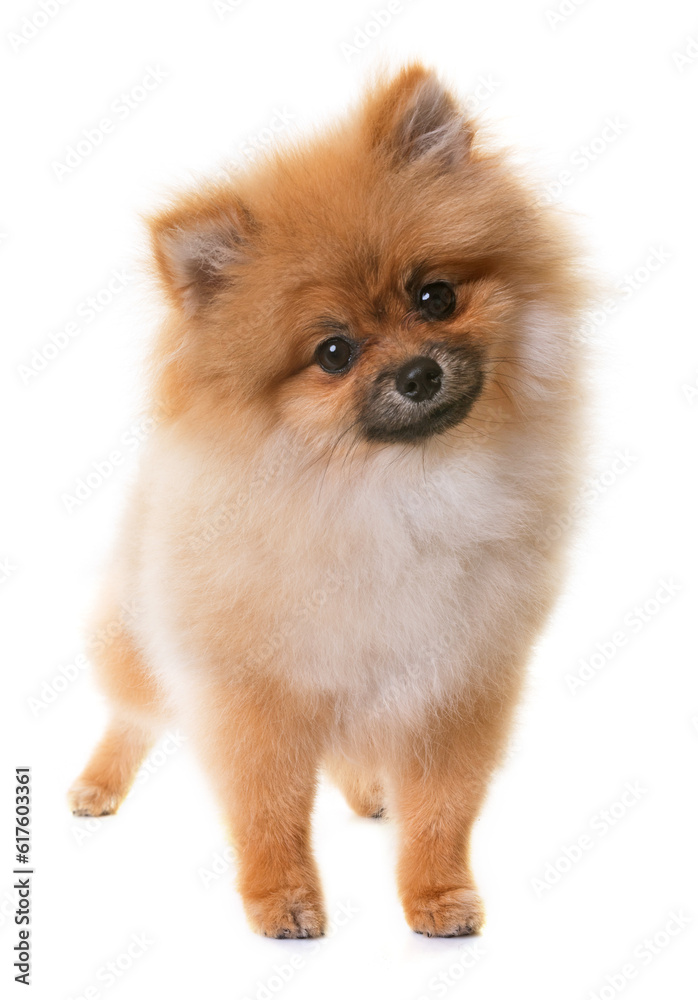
346	533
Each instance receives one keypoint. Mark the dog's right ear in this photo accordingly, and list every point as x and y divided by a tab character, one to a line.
196	245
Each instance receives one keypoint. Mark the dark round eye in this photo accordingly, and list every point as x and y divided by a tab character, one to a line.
335	354
437	300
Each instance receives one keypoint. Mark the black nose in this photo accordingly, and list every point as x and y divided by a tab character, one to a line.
419	379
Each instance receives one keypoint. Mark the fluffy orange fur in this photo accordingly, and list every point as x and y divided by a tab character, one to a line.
313	594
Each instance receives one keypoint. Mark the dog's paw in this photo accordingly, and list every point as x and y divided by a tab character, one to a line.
368	807
92	800
454	913
287	913
367	801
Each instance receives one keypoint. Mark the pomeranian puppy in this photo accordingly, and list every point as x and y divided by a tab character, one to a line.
348	527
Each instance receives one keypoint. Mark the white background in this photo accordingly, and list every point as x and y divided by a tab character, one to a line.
557	928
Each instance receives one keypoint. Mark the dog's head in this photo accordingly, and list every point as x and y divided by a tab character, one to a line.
372	280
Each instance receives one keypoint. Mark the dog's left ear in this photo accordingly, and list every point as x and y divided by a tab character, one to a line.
414	118
196	245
